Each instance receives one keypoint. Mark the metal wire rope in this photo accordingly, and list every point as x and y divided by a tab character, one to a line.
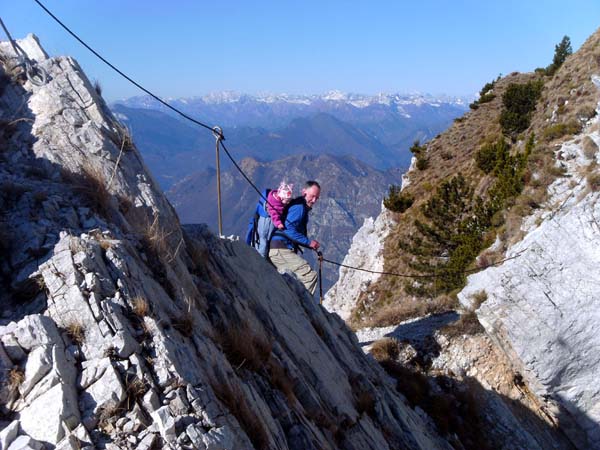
35	75
219	133
155	97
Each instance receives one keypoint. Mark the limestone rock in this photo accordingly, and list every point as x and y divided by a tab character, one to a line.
542	307
25	443
366	253
8	434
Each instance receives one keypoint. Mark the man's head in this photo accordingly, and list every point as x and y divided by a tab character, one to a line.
311	192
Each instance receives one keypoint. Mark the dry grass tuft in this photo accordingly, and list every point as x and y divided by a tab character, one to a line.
155	238
134	390
244	347
411	308
364	402
91	184
281	380
140	306
108	416
590	148
98	87
593	180
385	349
233	398
14	380
76	332
124	138
467	324
184	323
478	298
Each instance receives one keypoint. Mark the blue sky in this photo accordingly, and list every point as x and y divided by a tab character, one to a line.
184	48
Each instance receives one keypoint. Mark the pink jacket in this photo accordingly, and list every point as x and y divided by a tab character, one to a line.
275	208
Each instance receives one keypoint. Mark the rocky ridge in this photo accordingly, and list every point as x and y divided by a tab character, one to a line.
538	307
121	329
542	307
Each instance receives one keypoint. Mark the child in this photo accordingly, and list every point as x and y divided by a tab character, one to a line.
277	199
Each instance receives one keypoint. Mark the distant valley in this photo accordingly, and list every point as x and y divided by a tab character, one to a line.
352	191
356	146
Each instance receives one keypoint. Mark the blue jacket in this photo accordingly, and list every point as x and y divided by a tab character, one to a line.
296	222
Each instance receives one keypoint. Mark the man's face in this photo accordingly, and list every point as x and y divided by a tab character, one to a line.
311	195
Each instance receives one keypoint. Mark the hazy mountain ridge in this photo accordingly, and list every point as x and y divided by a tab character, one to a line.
275	110
379	134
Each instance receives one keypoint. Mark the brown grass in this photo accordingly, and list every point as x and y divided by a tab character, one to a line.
590	148
156	239
76	332
233	398
184	323
385	349
244	347
14	380
135	389
478	298
410	308
281	380
593	180
91	184
364	402
124	139
108	415
140	307
467	324
98	87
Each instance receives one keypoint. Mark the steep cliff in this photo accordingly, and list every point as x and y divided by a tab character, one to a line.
534	290
120	329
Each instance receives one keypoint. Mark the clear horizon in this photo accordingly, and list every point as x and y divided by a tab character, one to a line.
198	48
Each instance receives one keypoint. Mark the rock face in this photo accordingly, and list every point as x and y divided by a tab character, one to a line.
366	253
120	329
540	306
543	307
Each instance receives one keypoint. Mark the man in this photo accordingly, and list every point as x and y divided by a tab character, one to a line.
284	252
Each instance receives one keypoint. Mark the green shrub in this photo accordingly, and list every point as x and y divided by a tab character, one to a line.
486	157
519	102
419	151
485	95
422	163
457	222
397	200
561	129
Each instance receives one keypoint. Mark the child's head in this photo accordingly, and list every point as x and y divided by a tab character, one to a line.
284	192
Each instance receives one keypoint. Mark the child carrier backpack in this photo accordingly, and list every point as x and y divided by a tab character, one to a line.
252	235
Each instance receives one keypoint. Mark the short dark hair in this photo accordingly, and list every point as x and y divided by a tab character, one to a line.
311	183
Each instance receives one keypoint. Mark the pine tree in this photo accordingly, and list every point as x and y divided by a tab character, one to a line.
561	51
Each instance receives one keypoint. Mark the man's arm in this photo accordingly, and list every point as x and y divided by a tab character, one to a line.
293	225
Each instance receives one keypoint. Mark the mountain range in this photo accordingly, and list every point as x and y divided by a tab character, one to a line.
377	130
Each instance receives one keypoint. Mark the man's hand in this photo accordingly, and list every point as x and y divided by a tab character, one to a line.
280	227
314	245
